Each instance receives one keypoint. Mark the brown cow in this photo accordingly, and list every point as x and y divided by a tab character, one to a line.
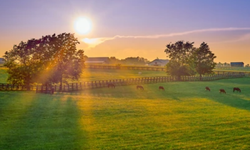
207	88
139	87
236	89
161	88
111	85
222	91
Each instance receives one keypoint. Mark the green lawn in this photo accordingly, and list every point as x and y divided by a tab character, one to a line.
106	74
101	74
234	69
3	75
184	116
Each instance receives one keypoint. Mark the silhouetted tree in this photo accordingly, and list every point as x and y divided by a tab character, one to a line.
48	60
113	60
22	63
202	60
179	54
134	61
62	60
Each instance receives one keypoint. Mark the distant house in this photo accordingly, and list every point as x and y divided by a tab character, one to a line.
158	62
237	64
97	60
1	61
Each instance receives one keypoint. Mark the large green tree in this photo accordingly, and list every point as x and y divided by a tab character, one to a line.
65	61
185	59
48	60
202	60
179	54
22	63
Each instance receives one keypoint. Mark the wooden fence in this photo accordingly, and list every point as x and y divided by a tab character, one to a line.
122	67
121	82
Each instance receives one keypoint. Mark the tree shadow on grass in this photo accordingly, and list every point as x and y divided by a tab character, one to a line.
233	100
51	122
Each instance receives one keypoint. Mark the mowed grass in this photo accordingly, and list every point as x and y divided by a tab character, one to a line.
3	75
106	74
184	116
234	69
101	74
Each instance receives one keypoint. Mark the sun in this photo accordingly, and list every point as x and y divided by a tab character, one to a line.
82	25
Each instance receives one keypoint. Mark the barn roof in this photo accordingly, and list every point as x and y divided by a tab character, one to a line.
237	62
163	61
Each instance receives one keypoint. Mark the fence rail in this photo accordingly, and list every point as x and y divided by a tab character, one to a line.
124	67
121	82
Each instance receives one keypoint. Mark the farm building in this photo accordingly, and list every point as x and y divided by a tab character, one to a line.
97	60
158	62
1	61
237	64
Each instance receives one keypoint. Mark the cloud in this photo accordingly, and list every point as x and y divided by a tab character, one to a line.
93	42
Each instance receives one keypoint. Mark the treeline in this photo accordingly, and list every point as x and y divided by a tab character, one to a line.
129	61
47	60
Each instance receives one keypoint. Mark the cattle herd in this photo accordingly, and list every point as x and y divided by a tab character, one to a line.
224	91
139	87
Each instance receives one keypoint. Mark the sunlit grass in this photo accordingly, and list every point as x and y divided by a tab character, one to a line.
102	74
3	75
184	116
234	69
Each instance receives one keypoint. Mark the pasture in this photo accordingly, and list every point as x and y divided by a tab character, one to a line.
3	75
184	116
101	74
233	69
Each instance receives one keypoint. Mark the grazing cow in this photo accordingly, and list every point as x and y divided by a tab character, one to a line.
161	88
207	88
222	91
236	89
139	87
111	85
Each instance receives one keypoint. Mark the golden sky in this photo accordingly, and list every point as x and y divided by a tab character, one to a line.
129	28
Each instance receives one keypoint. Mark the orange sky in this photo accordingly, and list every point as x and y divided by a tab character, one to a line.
129	28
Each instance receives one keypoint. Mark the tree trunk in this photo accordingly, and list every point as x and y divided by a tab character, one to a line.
28	85
200	77
179	78
60	88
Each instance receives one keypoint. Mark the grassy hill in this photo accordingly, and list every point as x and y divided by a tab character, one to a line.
184	116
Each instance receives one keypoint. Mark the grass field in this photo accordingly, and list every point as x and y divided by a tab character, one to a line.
234	69
3	75
100	74
105	74
184	116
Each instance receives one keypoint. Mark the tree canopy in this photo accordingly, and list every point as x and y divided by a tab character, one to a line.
202	60
185	59
179	54
47	60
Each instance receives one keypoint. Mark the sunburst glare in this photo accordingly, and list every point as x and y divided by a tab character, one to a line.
82	25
